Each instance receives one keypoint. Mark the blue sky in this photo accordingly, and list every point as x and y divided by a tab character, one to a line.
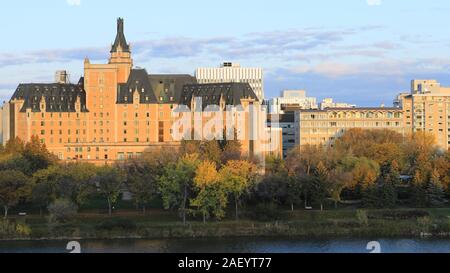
358	51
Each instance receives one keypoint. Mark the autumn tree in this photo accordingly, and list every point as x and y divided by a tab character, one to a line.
212	195
237	176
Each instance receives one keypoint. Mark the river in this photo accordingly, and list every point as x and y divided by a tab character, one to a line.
232	245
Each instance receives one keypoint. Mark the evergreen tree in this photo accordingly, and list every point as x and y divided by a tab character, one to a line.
435	194
417	191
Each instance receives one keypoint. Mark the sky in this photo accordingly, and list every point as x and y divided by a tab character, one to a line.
356	51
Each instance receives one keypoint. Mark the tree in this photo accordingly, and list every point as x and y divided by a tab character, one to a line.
338	179
141	182
320	184
210	150
45	185
294	190
237	176
76	182
14	185
435	194
231	151
211	198
37	154
275	164
417	189
272	189
176	182
61	210
109	181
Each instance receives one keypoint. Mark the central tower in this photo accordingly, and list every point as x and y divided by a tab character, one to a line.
121	54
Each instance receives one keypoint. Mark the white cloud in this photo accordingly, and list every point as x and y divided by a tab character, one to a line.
73	2
374	2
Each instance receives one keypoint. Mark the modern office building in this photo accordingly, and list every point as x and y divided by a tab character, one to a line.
116	111
427	109
286	122
291	100
233	72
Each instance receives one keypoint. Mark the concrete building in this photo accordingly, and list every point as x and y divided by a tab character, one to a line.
286	122
291	100
117	112
427	109
233	72
322	127
329	103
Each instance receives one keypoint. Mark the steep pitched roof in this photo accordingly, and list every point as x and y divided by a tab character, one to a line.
120	38
232	93
58	97
169	87
137	81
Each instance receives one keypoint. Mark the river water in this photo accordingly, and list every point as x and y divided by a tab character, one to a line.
232	245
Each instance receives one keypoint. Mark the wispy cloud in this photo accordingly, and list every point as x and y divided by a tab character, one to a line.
73	2
374	2
269	44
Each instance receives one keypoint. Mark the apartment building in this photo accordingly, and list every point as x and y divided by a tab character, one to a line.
322	127
427	109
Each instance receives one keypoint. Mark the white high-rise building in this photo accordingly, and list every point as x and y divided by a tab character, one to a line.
291	99
233	72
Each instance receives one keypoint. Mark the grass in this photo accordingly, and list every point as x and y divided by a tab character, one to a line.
166	224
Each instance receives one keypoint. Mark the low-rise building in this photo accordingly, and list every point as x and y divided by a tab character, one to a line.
316	127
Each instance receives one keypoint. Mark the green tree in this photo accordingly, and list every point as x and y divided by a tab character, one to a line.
141	182
62	210
175	184
109	181
320	184
14	186
435	194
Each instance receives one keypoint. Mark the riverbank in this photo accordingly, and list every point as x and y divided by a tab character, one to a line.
157	224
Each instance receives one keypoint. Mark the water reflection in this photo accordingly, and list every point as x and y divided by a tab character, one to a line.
232	245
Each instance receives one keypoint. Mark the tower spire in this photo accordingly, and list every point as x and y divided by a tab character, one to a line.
120	41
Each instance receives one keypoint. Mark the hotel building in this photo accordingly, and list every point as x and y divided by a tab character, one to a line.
116	111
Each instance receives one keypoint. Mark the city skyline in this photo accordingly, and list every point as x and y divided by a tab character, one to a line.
302	45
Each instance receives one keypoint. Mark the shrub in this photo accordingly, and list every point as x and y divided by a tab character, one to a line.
398	214
117	223
267	212
361	215
62	210
8	229
425	224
